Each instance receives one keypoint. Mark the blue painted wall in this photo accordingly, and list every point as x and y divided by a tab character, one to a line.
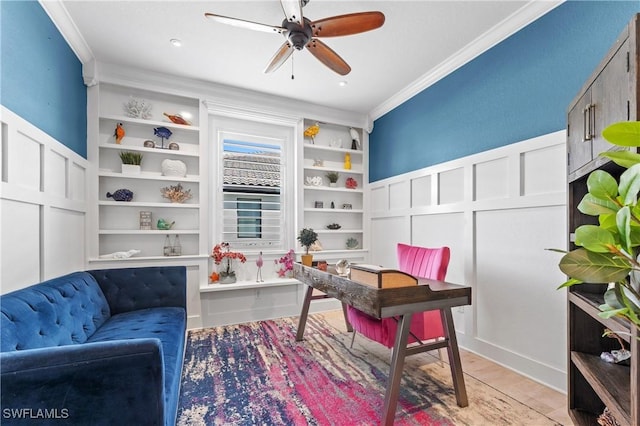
40	76
517	90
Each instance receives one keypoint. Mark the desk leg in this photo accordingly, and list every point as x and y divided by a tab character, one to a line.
454	357
302	320
346	318
395	373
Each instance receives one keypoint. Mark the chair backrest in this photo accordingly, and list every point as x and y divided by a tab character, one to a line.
423	262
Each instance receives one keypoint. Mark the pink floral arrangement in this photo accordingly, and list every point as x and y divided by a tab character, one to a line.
223	251
287	263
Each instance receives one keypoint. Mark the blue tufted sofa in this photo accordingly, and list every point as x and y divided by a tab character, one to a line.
100	347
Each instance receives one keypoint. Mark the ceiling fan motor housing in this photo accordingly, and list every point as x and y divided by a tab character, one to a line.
298	35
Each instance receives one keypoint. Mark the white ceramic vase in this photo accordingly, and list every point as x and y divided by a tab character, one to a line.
174	168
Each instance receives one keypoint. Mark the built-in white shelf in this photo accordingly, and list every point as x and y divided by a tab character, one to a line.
330	189
148	231
149	176
339	231
160	151
141	258
310	146
151	205
333	169
336	210
167	124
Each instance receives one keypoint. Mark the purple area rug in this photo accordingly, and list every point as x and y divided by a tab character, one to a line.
257	374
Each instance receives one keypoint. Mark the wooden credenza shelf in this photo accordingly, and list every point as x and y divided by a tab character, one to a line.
610	94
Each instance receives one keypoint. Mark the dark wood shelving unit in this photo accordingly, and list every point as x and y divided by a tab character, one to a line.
610	95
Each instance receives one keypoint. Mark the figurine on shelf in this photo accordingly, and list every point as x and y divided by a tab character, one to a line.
347	161
259	264
355	139
163	133
121	195
311	132
177	119
164	225
351	183
119	133
120	254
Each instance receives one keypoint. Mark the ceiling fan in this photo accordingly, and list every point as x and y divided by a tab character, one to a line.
301	32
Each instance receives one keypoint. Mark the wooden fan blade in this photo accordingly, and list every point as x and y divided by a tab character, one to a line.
327	56
292	11
344	25
244	24
280	57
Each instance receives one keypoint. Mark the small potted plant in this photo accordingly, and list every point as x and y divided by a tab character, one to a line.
130	162
333	178
307	237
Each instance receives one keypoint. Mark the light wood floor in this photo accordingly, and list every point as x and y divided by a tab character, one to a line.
543	399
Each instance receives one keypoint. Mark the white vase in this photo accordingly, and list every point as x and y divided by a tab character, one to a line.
174	168
130	169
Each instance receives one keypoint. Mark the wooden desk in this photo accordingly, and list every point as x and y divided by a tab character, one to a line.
402	303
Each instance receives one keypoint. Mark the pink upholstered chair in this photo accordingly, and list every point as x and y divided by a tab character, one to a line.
420	262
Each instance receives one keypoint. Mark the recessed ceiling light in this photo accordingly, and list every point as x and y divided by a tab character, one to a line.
176	42
342	83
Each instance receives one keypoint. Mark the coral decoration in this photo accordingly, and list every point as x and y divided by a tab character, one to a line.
287	263
222	252
351	183
176	193
214	277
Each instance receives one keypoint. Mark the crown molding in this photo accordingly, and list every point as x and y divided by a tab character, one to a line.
62	20
527	14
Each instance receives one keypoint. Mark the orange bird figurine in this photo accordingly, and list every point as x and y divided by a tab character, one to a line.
119	133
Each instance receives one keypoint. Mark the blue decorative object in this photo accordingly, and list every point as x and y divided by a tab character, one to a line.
121	195
163	133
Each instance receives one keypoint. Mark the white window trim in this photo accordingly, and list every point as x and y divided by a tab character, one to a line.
219	125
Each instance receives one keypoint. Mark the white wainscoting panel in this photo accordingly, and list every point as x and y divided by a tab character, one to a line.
491	179
399	196
42	205
421	191
498	211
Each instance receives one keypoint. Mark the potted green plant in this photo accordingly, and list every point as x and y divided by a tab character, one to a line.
130	162
608	253
333	178
307	237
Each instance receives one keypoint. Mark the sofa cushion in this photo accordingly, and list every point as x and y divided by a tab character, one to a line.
167	324
60	311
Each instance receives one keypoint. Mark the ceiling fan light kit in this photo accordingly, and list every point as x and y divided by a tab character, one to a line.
301	32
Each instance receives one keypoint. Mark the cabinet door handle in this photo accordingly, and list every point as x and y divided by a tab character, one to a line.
586	123
592	121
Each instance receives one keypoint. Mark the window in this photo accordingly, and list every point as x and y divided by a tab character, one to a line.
252	198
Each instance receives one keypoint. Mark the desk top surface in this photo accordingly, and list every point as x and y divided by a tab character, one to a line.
380	303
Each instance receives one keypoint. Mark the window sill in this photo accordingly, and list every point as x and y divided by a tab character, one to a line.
243	285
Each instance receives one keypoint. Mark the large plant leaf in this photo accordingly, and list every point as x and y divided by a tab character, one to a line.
630	185
570	282
594	206
623	221
625	133
625	159
595	238
591	267
601	184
